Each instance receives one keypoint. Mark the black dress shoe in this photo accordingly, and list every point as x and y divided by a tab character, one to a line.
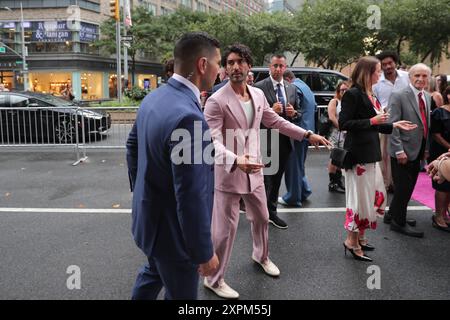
366	247
435	225
355	256
334	187
388	218
277	222
406	230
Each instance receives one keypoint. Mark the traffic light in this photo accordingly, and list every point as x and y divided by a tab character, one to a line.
114	9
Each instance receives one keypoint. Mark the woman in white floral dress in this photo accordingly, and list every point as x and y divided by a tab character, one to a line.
362	117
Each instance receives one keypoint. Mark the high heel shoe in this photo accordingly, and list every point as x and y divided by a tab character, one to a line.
366	247
355	256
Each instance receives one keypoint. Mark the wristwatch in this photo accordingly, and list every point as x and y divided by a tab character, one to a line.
308	134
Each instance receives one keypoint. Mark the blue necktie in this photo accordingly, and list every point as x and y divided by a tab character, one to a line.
281	99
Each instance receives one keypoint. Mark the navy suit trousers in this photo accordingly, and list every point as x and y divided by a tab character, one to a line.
179	279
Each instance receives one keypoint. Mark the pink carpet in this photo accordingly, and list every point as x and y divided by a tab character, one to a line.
423	192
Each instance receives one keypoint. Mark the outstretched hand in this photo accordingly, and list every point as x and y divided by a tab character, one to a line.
317	140
405	125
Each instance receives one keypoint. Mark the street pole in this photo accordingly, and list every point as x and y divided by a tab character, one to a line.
24	53
125	48
118	61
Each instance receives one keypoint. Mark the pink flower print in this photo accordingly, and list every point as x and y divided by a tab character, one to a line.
362	224
360	170
373	225
348	218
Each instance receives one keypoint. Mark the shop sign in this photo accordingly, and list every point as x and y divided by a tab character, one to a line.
51	31
88	32
8	64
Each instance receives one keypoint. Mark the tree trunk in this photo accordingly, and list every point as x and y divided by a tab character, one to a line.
295	58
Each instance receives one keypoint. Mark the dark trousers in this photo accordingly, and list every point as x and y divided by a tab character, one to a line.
272	182
179	278
405	178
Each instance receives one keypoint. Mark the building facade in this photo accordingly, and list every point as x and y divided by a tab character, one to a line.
284	5
159	7
59	37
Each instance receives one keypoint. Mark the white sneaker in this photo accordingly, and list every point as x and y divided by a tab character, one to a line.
222	290
269	267
282	202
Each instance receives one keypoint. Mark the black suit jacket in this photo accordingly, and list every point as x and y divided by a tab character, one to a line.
362	140
266	86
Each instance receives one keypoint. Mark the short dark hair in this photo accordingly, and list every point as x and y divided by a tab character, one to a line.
288	74
193	45
241	49
388	54
278	56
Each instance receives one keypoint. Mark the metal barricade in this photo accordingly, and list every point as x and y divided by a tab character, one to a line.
44	128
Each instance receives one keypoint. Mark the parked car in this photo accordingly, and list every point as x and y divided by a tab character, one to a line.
29	117
321	81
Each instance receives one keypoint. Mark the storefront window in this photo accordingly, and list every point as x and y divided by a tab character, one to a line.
147	81
7	78
49	82
91	85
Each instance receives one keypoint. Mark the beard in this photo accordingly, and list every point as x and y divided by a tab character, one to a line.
238	77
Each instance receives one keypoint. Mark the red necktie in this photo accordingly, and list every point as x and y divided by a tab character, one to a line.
423	113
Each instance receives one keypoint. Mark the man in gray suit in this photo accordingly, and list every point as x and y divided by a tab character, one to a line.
407	148
282	97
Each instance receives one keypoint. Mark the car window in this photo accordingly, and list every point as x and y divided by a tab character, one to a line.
18	101
329	81
260	75
37	103
305	77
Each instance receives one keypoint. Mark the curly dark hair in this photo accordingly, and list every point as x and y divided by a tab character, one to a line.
241	49
388	54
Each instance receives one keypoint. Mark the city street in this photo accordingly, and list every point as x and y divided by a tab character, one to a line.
54	215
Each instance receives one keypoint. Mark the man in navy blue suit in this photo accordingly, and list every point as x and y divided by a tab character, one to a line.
171	180
297	185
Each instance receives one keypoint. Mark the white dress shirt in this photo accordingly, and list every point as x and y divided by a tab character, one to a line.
383	89
188	84
275	87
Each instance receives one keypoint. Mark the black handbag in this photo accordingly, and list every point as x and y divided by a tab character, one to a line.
338	155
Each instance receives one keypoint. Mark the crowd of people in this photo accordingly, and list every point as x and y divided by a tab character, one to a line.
185	215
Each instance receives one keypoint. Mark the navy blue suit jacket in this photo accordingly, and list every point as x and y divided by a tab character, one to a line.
172	203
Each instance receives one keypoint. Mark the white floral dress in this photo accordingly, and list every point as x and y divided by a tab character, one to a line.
365	195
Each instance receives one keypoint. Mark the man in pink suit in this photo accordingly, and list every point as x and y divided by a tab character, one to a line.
234	114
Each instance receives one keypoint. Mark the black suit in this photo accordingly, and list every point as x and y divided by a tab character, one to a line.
362	141
272	182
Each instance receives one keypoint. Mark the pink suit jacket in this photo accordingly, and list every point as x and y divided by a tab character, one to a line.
223	112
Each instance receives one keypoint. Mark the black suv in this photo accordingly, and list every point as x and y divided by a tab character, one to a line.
321	81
